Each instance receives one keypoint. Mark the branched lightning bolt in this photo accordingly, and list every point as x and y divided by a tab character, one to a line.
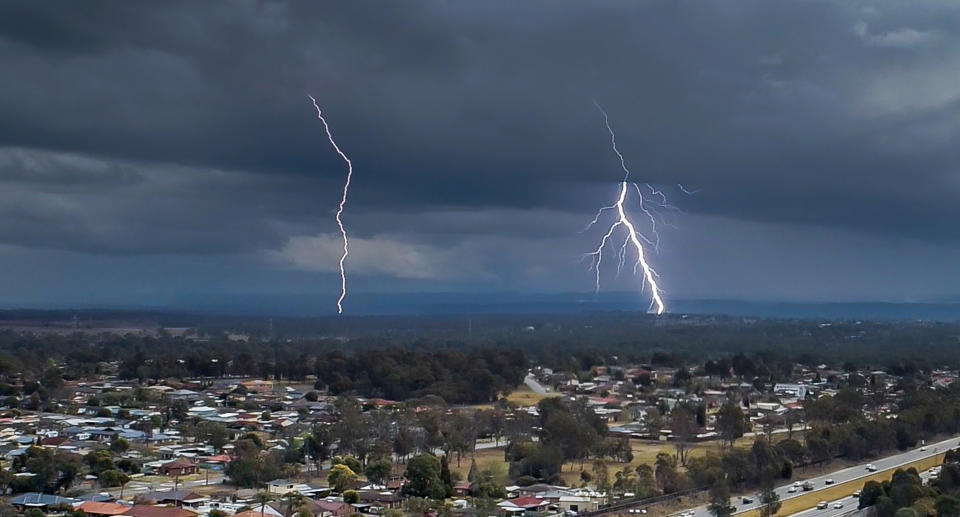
633	236
343	202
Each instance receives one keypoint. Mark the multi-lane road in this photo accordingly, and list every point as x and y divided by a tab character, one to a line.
840	476
847	504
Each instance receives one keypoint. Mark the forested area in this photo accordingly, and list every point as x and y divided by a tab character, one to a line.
467	360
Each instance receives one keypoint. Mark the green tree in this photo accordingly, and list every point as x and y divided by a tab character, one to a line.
99	461
213	433
378	471
731	423
351	462
488	485
646	482
351	497
719	505
113	478
601	476
423	476
340	477
119	445
769	500
948	506
869	494
445	477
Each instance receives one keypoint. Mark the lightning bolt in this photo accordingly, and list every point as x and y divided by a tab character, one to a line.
633	236
687	192
343	202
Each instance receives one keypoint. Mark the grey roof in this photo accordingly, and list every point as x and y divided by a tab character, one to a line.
38	499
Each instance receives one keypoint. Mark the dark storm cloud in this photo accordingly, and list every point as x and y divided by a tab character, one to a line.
183	126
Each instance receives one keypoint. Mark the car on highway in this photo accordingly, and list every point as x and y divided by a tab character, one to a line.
856	493
822	505
829	481
837	505
792	489
746	500
871	467
807	486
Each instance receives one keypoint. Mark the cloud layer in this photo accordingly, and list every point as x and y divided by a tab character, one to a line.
132	134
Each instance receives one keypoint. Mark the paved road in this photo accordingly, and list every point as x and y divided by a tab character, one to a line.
135	487
843	476
848	504
532	383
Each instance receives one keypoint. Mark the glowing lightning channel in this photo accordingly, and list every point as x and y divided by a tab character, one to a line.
633	236
343	201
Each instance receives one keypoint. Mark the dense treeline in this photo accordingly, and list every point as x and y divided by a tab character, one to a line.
405	357
461	377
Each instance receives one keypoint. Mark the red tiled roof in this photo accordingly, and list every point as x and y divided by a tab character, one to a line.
526	502
92	507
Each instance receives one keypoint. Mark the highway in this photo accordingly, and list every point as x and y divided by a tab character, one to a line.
849	504
840	476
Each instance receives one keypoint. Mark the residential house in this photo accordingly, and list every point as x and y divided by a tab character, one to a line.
325	508
97	509
280	486
178	467
41	501
146	510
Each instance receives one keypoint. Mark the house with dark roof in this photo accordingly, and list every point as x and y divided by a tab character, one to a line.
41	501
178	467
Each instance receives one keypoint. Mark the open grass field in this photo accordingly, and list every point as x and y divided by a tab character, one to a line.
524	396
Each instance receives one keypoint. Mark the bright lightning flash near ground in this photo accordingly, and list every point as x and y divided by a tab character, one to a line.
343	201
633	236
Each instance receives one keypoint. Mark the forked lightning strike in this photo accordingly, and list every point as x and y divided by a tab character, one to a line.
343	202
633	236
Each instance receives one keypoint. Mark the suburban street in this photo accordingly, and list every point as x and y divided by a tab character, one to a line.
842	476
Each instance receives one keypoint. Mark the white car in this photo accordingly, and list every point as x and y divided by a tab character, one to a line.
829	481
837	505
792	489
822	505
871	467
796	484
856	493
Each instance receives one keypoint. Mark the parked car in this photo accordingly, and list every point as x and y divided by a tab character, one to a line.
822	505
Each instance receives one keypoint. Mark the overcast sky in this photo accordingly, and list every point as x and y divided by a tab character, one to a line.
154	151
